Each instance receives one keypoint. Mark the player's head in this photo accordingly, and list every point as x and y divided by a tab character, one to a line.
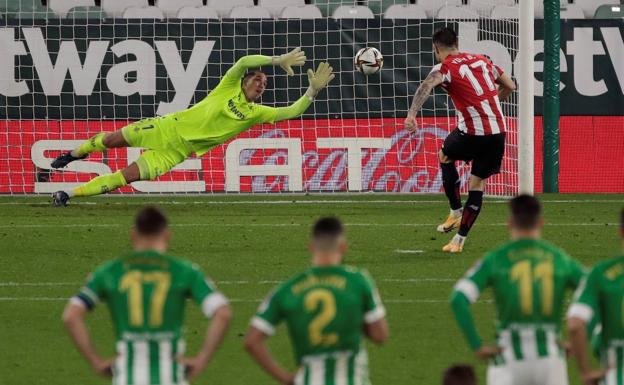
328	243
254	83
150	231
459	375
444	41
526	216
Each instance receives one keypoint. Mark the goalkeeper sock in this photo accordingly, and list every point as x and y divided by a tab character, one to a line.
100	185
471	211
450	181
93	144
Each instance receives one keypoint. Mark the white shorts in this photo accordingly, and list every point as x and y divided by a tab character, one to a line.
542	371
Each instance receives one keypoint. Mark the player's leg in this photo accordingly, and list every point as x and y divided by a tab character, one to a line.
131	135
150	165
453	149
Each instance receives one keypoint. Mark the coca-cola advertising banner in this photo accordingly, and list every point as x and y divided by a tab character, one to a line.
309	155
125	69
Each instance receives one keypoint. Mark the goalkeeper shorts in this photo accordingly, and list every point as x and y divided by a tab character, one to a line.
164	147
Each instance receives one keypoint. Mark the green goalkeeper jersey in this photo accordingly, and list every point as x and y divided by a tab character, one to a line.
146	294
600	298
529	278
325	309
225	112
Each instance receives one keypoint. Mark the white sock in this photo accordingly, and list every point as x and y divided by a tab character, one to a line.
457	212
458	239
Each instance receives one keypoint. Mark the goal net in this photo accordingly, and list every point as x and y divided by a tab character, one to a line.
65	78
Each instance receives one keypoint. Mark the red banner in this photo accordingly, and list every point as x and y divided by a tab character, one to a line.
311	155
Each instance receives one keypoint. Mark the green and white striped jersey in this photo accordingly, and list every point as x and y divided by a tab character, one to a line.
146	293
529	278
325	309
600	299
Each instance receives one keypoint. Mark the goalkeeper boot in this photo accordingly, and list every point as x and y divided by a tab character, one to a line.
65	159
452	222
60	199
456	245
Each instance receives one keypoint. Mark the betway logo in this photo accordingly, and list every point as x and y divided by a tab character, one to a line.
85	73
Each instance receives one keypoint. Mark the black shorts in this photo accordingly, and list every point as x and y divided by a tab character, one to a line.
485	151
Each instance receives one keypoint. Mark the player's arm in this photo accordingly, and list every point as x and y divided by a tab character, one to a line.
505	86
215	306
296	57
580	314
318	80
433	80
375	324
263	326
467	291
74	321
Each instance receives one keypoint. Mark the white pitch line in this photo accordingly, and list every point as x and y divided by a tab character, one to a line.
105	225
230	282
402	251
297	202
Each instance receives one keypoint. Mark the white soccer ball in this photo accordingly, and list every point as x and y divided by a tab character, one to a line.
368	60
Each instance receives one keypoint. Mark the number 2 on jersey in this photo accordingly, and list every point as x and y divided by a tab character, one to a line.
466	71
523	273
132	282
325	299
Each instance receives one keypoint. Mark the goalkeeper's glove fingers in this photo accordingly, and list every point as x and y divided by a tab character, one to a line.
320	79
296	57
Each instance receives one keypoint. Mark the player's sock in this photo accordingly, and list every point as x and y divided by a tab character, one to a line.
450	181
100	185
471	211
93	144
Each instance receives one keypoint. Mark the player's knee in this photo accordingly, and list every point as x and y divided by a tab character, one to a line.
131	173
114	139
476	183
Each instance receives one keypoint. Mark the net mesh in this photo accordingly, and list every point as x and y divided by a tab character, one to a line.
65	78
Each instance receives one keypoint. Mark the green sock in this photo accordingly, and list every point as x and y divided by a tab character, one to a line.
93	144
100	185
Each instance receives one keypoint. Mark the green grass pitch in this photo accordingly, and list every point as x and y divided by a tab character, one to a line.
247	244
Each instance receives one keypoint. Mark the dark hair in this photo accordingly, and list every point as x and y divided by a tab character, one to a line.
251	74
459	375
150	221
445	37
326	231
526	211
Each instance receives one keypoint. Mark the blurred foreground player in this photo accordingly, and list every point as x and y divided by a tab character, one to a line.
476	87
459	375
529	278
327	308
601	298
227	111
146	292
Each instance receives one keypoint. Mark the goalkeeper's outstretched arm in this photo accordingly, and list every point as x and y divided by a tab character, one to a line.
318	80
296	57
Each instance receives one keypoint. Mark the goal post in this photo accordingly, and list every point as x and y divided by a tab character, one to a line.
526	118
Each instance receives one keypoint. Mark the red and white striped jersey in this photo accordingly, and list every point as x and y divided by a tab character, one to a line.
470	81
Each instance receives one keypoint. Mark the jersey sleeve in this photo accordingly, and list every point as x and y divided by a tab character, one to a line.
269	314
93	292
265	114
205	293
475	280
373	308
444	70
585	302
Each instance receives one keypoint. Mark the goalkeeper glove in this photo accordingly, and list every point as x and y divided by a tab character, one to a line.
319	79
296	57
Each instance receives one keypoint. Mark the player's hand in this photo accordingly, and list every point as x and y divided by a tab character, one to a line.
193	366
410	123
486	352
321	78
593	377
103	366
296	57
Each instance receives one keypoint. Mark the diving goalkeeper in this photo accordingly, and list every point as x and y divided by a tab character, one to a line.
228	110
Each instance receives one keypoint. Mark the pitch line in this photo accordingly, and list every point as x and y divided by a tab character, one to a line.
226	282
296	202
235	300
105	225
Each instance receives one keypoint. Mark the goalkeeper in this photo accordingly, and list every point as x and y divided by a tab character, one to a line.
227	111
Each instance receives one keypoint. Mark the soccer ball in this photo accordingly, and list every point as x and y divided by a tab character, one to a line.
368	60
